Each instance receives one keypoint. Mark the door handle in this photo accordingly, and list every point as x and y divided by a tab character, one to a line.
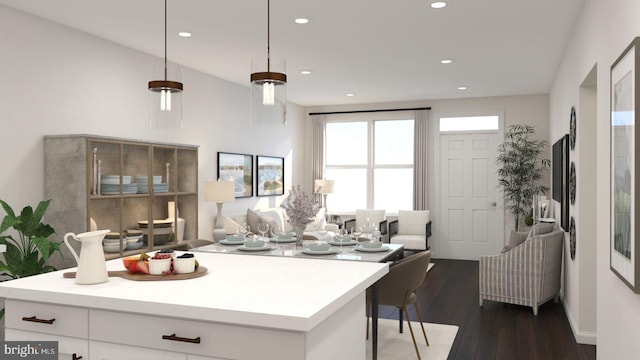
493	203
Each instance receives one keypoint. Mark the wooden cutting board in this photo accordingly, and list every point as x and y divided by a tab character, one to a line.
200	271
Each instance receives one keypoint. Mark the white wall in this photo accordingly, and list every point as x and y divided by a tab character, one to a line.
604	30
54	80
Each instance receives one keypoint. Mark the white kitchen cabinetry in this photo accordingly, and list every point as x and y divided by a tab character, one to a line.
109	351
28	321
246	307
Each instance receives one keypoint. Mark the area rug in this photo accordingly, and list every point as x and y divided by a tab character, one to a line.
395	346
430	266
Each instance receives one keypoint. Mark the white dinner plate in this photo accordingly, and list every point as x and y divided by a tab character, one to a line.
282	241
323	252
230	242
380	249
338	243
244	248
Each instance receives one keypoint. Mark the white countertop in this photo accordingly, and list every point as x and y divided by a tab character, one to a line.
275	292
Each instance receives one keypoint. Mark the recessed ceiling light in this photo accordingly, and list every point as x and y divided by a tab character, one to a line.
462	88
438	4
184	34
301	21
446	61
305	72
351	94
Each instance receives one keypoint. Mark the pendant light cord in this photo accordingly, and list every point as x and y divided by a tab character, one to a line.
268	36
165	40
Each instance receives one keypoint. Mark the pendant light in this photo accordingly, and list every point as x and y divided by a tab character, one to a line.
166	110
268	89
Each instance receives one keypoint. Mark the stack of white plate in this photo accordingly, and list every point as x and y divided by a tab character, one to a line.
111	242
161	229
161	187
110	185
142	182
134	239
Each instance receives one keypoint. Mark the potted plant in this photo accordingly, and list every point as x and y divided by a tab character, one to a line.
520	171
28	254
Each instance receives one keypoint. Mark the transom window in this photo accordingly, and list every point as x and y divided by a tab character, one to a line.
469	123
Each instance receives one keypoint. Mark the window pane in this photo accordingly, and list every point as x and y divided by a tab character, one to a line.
394	142
350	190
346	143
393	189
469	123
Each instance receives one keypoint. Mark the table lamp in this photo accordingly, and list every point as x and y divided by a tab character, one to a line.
324	187
220	192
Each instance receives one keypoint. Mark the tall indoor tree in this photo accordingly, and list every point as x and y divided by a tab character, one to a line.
520	171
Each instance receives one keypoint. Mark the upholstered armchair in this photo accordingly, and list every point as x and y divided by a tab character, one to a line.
369	216
412	229
525	274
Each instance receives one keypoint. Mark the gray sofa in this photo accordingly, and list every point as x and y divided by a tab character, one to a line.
527	273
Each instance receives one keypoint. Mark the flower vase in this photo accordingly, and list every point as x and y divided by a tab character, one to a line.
299	230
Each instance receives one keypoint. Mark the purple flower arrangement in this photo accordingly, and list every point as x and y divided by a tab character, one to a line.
300	208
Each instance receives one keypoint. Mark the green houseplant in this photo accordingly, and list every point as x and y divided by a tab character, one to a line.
28	254
520	171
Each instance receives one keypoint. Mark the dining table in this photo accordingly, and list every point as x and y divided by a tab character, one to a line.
337	251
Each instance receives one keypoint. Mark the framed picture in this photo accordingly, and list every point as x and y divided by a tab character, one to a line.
239	168
624	118
270	175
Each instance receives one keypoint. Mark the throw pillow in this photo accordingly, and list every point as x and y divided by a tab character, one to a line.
515	238
253	219
318	222
274	219
229	225
541	229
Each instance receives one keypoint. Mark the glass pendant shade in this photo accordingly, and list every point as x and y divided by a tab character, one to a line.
268	93
165	96
165	100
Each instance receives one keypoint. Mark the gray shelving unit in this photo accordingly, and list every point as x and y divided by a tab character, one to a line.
69	183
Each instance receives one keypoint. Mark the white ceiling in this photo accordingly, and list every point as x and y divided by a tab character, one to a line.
383	51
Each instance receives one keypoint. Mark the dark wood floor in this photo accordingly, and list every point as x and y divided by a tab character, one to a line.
495	331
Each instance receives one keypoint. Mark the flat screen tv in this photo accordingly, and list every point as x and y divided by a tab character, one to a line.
560	178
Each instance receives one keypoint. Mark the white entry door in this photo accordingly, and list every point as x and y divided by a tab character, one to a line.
471	217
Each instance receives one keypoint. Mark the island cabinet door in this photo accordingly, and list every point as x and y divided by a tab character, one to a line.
47	318
67	346
108	351
202	338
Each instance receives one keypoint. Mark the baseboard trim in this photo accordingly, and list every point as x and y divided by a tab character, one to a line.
582	337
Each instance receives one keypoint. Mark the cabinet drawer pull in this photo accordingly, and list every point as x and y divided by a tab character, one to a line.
178	338
36	320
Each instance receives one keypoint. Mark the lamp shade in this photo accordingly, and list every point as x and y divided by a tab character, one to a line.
219	191
324	186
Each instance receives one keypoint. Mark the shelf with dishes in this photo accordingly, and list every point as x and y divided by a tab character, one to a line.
117	183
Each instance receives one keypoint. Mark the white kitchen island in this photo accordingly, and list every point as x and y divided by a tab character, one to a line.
245	307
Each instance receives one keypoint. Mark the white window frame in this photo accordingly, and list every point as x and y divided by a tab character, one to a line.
370	167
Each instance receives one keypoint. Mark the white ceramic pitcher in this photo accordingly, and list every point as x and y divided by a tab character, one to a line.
92	268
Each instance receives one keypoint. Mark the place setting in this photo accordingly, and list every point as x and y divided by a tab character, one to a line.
282	238
233	240
254	244
319	248
343	239
371	246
